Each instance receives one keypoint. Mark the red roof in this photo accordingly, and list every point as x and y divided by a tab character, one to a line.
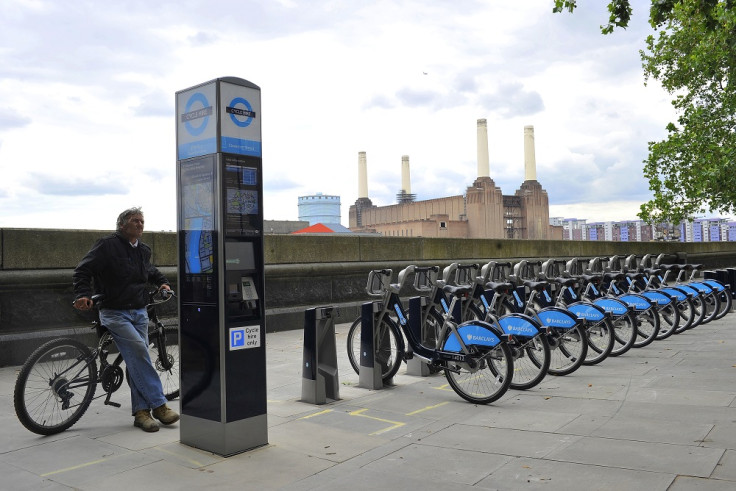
317	228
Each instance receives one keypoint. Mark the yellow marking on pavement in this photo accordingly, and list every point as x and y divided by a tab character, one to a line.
394	424
191	461
73	468
426	408
443	387
317	414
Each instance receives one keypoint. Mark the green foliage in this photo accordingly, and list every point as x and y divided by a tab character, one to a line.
693	55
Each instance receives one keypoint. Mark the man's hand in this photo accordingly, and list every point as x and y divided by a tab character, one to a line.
83	303
164	287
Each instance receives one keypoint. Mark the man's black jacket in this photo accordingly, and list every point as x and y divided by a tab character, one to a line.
119	271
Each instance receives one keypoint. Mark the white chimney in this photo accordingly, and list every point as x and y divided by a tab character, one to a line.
483	164
530	161
405	176
362	176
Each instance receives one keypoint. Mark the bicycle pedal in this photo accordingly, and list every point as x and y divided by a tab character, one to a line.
108	402
408	355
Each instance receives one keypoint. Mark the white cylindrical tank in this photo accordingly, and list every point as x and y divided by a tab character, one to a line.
319	208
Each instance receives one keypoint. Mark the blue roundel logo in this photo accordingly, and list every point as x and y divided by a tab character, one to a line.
191	114
241	112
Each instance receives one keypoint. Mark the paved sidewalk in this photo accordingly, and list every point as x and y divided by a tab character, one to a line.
661	417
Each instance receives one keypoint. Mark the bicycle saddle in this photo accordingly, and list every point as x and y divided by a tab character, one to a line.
536	285
503	287
457	290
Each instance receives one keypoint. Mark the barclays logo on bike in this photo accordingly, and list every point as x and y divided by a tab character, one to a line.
560	322
476	338
520	330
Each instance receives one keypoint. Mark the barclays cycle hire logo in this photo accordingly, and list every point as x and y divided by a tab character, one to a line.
236	113
191	114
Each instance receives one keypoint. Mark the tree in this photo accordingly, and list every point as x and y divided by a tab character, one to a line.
693	56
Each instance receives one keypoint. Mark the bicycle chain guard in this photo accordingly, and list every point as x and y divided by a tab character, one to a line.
111	378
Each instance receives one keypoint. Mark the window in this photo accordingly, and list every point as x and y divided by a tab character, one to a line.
443	225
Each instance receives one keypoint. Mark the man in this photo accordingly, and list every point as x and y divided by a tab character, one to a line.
119	267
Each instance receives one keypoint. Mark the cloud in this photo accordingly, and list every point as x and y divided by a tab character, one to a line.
156	103
71	186
10	119
511	100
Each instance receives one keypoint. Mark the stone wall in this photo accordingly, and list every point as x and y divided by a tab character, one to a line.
302	271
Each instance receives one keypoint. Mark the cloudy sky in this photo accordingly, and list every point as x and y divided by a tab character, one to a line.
87	101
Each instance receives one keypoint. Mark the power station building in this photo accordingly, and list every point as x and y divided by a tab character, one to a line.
483	212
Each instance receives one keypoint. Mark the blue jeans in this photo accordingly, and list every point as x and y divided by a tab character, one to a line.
129	329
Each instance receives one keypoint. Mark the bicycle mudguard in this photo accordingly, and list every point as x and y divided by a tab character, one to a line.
690	289
587	311
473	332
678	294
612	305
560	318
660	298
715	284
518	325
701	287
635	301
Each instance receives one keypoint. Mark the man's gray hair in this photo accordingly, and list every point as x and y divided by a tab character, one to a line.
125	216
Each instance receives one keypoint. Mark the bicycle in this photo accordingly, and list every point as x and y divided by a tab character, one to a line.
57	383
474	355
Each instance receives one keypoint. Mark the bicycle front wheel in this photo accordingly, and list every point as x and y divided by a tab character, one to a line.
488	380
55	386
389	350
164	352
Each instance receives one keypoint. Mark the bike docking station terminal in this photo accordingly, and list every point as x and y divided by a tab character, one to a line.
221	266
319	367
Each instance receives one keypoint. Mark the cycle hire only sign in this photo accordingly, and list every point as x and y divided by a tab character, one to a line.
245	337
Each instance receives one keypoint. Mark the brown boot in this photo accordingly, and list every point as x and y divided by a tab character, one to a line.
165	415
144	421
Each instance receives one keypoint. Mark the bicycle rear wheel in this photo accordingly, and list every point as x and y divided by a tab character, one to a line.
647	327
726	302
688	315
390	350
531	361
669	316
55	386
712	306
600	341
624	330
488	380
698	311
569	349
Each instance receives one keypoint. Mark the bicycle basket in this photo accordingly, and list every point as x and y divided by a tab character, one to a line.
379	281
465	274
425	278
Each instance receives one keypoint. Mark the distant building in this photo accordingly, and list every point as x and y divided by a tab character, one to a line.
482	212
319	208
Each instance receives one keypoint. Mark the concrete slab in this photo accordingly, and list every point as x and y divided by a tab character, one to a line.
672	459
656	416
524	473
500	441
